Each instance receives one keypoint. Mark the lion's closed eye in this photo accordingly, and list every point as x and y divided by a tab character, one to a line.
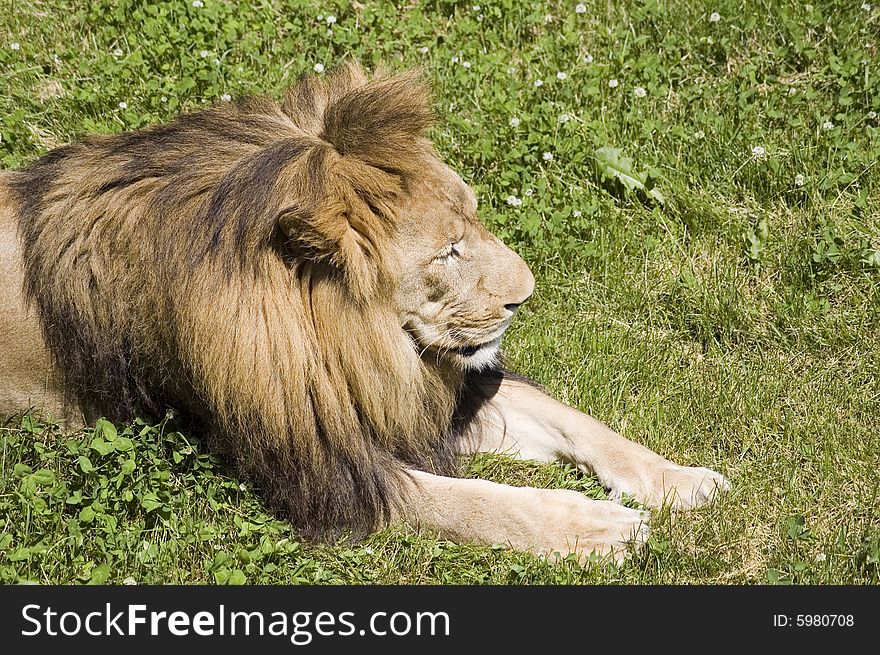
449	253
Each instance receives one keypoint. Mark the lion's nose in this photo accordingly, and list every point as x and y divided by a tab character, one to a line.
517	283
525	285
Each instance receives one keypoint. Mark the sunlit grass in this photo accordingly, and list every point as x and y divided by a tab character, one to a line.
734	325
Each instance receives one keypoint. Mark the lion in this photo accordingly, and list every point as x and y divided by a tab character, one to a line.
309	286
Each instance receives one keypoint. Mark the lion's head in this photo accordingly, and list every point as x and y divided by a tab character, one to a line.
458	286
306	280
455	285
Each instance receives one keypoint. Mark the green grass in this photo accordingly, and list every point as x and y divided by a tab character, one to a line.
735	325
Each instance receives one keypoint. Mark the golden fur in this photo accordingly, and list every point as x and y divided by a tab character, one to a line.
311	288
251	265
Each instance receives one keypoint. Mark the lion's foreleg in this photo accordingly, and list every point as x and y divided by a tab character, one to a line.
542	521
520	420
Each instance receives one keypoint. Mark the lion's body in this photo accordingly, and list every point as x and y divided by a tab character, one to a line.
154	263
26	374
306	283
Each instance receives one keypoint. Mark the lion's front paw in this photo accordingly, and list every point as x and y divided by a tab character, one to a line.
616	533
589	527
681	487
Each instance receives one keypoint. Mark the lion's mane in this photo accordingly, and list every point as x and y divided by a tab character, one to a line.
232	264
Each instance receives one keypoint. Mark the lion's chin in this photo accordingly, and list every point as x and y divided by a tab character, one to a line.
478	358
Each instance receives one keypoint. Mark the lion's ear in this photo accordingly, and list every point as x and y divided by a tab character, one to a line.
307	101
379	120
370	140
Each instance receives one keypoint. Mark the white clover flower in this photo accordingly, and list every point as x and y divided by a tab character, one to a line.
453	60
759	152
714	17
588	58
320	17
318	68
872	115
827	125
548	156
513	201
368	550
466	64
330	20
129	581
528	192
821	557
699	134
198	4
163	99
561	75
203	54
514	122
424	49
639	92
808	8
476	7
799	180
226	97
613	84
118	52
15	46
539	82
580	8
123	105
511	70
564	118
866	7
576	213
791	90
